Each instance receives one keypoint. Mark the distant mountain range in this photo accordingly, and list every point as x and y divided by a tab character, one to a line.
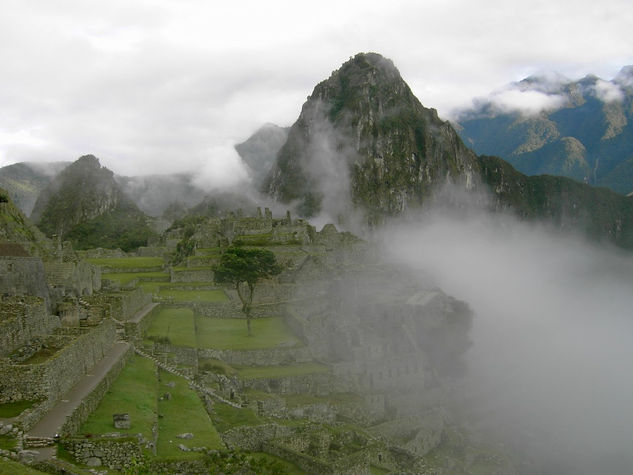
584	130
364	148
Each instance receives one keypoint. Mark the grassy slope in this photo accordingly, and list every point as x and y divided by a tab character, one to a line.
177	324
207	296
133	392
182	413
224	334
126	262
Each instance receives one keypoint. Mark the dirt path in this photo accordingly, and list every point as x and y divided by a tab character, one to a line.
52	422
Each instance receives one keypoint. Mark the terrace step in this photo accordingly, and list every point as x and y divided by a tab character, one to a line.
35	442
172	370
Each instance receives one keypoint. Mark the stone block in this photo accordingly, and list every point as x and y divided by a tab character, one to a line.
121	421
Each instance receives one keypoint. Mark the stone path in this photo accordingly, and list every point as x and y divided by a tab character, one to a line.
174	370
52	422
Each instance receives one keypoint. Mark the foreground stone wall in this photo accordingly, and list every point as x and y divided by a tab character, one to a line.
77	278
52	378
21	319
114	453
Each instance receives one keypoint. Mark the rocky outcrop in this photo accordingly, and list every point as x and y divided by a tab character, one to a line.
260	150
364	138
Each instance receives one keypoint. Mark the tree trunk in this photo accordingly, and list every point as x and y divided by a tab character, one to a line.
246	304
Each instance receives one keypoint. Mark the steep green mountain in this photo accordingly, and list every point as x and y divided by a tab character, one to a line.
86	206
24	181
363	136
16	228
587	133
364	143
260	150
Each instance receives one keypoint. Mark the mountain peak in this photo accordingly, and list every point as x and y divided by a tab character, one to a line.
363	140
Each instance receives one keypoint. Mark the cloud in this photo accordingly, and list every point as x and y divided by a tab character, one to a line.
156	85
549	365
608	91
530	102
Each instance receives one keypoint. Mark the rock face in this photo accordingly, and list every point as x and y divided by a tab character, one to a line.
85	205
364	143
363	137
587	133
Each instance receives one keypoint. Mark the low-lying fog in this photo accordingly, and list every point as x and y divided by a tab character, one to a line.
550	365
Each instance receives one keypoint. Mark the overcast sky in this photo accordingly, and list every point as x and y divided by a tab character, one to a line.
164	86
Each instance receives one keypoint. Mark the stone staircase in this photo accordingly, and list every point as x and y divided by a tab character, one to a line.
32	442
177	372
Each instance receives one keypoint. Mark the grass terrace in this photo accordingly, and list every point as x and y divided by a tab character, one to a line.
133	392
125	278
176	324
184	412
181	295
14	409
232	334
9	467
285	466
127	262
226	417
282	371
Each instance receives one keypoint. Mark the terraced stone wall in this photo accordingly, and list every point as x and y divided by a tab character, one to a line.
21	319
23	276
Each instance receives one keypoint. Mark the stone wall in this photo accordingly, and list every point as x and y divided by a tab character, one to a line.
76	278
113	453
271	357
89	403
215	309
304	462
21	319
23	276
50	379
252	438
122	305
134	330
319	384
191	275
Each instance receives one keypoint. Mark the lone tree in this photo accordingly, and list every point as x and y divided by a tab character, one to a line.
245	267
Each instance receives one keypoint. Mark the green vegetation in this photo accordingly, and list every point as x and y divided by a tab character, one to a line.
285	466
230	334
124	278
133	392
183	412
127	262
373	470
207	296
14	409
175	324
226	417
209	252
216	366
238	266
283	371
7	442
9	467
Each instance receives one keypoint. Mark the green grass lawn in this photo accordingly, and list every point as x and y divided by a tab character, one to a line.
180	295
231	333
285	466
177	324
13	409
127	262
226	417
133	392
184	412
9	467
124	278
282	371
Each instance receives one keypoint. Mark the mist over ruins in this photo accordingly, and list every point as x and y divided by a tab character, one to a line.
367	295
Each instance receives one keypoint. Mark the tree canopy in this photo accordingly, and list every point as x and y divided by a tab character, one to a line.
239	265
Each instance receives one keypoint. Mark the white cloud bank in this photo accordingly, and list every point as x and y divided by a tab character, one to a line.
158	85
